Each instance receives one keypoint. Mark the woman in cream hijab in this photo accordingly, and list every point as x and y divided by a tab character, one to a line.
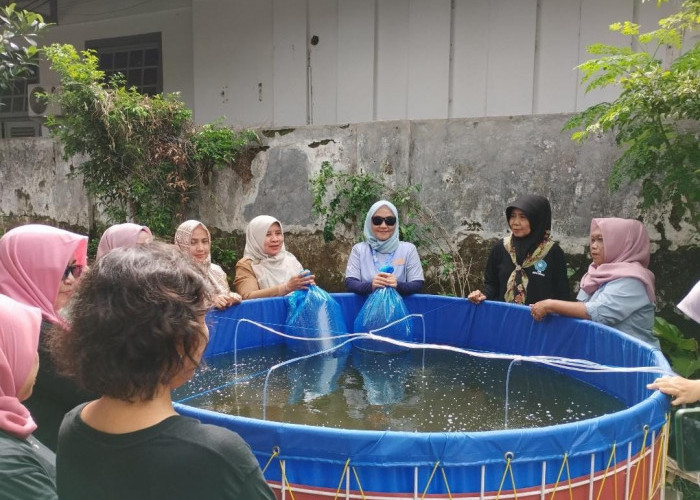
193	238
267	269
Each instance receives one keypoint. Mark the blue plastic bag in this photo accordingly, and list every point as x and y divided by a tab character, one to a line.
314	314
383	306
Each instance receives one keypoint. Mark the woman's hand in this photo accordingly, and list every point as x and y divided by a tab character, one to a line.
540	309
382	280
299	282
226	300
476	297
681	389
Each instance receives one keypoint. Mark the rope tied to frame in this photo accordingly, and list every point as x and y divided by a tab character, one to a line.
342	475
509	469
564	463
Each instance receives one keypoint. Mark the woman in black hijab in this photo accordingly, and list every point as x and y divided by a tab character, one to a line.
527	265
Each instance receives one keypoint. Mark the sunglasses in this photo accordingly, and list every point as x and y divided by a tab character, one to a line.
75	270
377	221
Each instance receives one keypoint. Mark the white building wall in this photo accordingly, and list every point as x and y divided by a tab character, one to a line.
251	61
175	26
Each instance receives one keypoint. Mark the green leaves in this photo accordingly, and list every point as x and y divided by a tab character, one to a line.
144	157
18	39
681	350
217	146
655	118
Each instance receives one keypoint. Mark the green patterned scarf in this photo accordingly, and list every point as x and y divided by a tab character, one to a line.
517	282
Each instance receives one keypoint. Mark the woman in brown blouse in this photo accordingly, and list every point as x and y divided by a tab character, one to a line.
267	269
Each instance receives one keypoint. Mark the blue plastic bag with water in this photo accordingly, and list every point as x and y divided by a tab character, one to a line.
382	307
314	314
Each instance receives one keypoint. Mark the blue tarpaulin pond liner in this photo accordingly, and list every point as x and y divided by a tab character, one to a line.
619	455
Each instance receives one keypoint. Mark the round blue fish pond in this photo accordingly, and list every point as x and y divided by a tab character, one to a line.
619	455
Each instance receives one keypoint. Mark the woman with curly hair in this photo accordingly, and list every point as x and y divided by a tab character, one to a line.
138	332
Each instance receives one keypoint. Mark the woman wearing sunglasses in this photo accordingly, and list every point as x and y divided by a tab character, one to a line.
369	261
39	267
527	265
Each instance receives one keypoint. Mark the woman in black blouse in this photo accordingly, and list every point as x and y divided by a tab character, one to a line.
527	265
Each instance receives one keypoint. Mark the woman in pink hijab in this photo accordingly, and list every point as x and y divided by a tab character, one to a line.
39	267
618	289
27	467
125	235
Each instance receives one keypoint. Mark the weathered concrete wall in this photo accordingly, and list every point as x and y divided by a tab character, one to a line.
35	185
469	170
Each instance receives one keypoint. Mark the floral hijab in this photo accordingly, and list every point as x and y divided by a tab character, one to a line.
33	259
390	244
527	251
19	340
215	276
270	270
627	251
120	235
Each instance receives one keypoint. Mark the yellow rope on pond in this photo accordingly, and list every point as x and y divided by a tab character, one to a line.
640	462
508	469
661	457
447	485
275	452
342	476
358	483
605	474
564	463
430	479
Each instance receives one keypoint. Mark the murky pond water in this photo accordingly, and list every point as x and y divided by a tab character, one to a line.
412	391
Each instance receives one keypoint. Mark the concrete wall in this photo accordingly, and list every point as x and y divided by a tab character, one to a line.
468	169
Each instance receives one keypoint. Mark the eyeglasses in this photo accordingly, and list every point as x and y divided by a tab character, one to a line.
75	270
377	221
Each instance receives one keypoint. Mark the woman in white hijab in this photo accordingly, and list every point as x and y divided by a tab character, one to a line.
193	238
267	269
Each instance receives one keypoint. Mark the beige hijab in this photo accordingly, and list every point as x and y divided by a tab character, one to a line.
216	276
270	271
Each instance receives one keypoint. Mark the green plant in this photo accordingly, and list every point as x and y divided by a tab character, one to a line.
342	198
655	118
216	145
223	253
143	158
18	40
681	351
